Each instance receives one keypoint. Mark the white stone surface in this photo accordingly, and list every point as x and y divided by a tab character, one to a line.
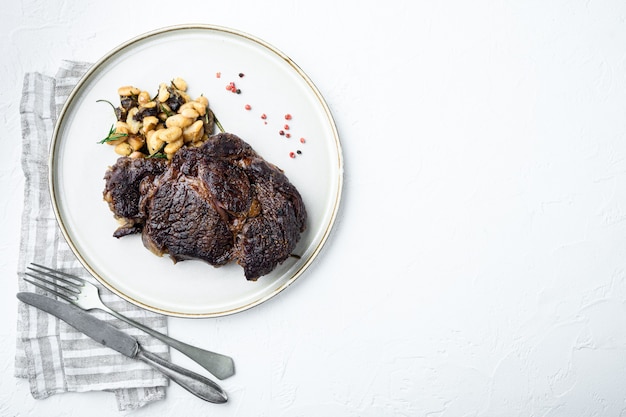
478	264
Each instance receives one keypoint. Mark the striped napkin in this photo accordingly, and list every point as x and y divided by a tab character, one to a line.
51	354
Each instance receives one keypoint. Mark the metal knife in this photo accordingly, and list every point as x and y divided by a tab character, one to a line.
114	338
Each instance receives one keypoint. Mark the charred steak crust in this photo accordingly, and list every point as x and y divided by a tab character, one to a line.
228	184
267	239
218	203
182	222
122	190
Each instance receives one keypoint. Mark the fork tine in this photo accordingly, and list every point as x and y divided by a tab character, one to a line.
50	290
57	272
63	280
72	290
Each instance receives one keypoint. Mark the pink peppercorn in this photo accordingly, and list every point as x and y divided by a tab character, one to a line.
302	140
287	116
248	107
292	154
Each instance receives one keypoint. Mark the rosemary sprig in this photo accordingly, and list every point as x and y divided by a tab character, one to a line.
106	101
218	124
166	109
174	85
113	136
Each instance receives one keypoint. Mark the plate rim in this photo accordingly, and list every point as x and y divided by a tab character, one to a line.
87	76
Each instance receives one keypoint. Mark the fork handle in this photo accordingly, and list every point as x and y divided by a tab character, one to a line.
221	366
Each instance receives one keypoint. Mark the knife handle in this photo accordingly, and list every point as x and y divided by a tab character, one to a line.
196	384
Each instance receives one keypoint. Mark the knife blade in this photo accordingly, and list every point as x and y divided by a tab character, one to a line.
110	336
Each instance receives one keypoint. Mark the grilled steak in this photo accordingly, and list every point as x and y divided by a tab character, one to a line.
269	237
182	222
122	190
220	202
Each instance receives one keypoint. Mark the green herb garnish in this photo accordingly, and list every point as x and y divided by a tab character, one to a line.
113	136
218	124
174	85
106	101
166	109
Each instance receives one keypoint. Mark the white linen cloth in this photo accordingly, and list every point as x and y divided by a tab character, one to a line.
51	354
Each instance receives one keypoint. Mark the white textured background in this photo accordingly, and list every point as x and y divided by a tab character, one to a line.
478	264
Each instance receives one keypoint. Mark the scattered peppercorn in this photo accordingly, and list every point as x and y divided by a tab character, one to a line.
248	107
299	152
292	155
302	140
287	135
218	74
287	116
232	88
241	75
286	127
281	132
263	116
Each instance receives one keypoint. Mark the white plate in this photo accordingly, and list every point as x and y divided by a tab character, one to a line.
272	85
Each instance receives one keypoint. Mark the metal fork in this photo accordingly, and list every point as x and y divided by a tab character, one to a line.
86	295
